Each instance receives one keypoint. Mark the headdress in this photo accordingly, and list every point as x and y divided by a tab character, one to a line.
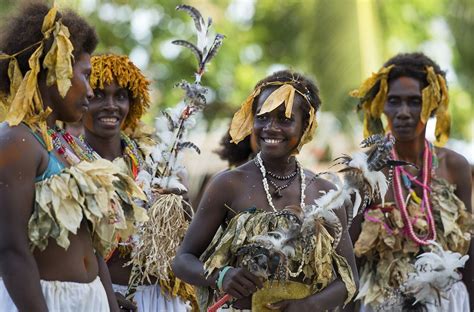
242	122
24	100
109	68
435	98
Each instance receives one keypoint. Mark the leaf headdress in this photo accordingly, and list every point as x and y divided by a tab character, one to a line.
242	122
24	102
435	98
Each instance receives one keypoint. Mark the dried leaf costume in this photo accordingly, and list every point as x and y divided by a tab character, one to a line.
91	191
394	234
279	246
138	142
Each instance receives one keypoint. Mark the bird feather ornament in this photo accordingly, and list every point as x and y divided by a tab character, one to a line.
174	123
162	234
202	50
435	273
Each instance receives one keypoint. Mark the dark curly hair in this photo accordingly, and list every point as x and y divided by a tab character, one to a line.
300	83
234	154
412	65
24	30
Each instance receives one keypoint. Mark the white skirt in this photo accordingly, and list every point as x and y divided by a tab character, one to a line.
457	301
65	297
149	298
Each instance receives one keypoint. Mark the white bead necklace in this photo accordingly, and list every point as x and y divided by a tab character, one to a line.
260	166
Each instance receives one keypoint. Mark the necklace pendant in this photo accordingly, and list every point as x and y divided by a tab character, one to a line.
278	194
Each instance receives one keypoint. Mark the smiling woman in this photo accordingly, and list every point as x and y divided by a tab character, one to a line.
226	232
112	130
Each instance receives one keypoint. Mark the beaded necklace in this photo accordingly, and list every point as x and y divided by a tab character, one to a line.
259	163
130	150
424	202
66	146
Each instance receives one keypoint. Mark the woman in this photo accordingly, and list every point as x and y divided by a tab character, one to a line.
429	202
281	114
121	98
50	255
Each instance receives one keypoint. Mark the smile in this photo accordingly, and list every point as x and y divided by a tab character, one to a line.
272	141
109	120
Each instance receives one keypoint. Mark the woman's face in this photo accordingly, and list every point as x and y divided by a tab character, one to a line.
276	135
107	111
403	108
75	103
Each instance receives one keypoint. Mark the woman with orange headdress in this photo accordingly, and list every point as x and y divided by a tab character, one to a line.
112	130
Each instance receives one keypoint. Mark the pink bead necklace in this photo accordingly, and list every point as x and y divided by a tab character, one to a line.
397	190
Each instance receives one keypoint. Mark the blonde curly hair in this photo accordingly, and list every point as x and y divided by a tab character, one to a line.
108	68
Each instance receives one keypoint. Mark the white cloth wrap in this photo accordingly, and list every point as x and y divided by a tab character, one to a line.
149	298
64	297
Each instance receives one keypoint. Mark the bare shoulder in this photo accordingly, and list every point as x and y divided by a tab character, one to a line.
452	159
17	145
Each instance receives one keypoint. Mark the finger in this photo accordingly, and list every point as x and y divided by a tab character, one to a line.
247	284
277	305
253	278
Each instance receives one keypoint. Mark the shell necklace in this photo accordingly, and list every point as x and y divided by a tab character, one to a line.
259	163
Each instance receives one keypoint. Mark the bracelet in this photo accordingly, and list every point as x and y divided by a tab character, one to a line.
220	278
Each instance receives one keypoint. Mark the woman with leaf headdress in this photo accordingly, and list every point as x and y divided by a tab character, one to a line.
58	215
112	130
429	202
299	274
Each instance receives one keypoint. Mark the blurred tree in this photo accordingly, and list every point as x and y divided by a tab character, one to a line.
338	42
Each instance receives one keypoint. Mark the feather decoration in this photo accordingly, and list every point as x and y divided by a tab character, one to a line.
435	273
202	51
162	234
174	123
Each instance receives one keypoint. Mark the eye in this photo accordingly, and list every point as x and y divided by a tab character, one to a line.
122	95
415	101
98	94
393	100
286	119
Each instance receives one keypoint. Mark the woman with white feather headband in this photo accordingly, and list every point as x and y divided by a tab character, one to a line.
427	204
258	257
112	130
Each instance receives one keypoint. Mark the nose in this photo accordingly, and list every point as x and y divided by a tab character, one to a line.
403	112
89	92
270	125
110	103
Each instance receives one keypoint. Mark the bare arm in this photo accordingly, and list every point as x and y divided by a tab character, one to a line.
209	216
460	171
19	159
104	276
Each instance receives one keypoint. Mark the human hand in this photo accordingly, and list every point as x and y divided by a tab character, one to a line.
124	304
295	305
239	283
176	191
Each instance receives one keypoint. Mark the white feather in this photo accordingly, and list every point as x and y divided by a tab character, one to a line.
376	179
435	273
276	240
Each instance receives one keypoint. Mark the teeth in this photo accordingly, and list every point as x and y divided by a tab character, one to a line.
109	120
272	141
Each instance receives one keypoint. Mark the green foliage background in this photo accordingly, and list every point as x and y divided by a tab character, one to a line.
338	42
